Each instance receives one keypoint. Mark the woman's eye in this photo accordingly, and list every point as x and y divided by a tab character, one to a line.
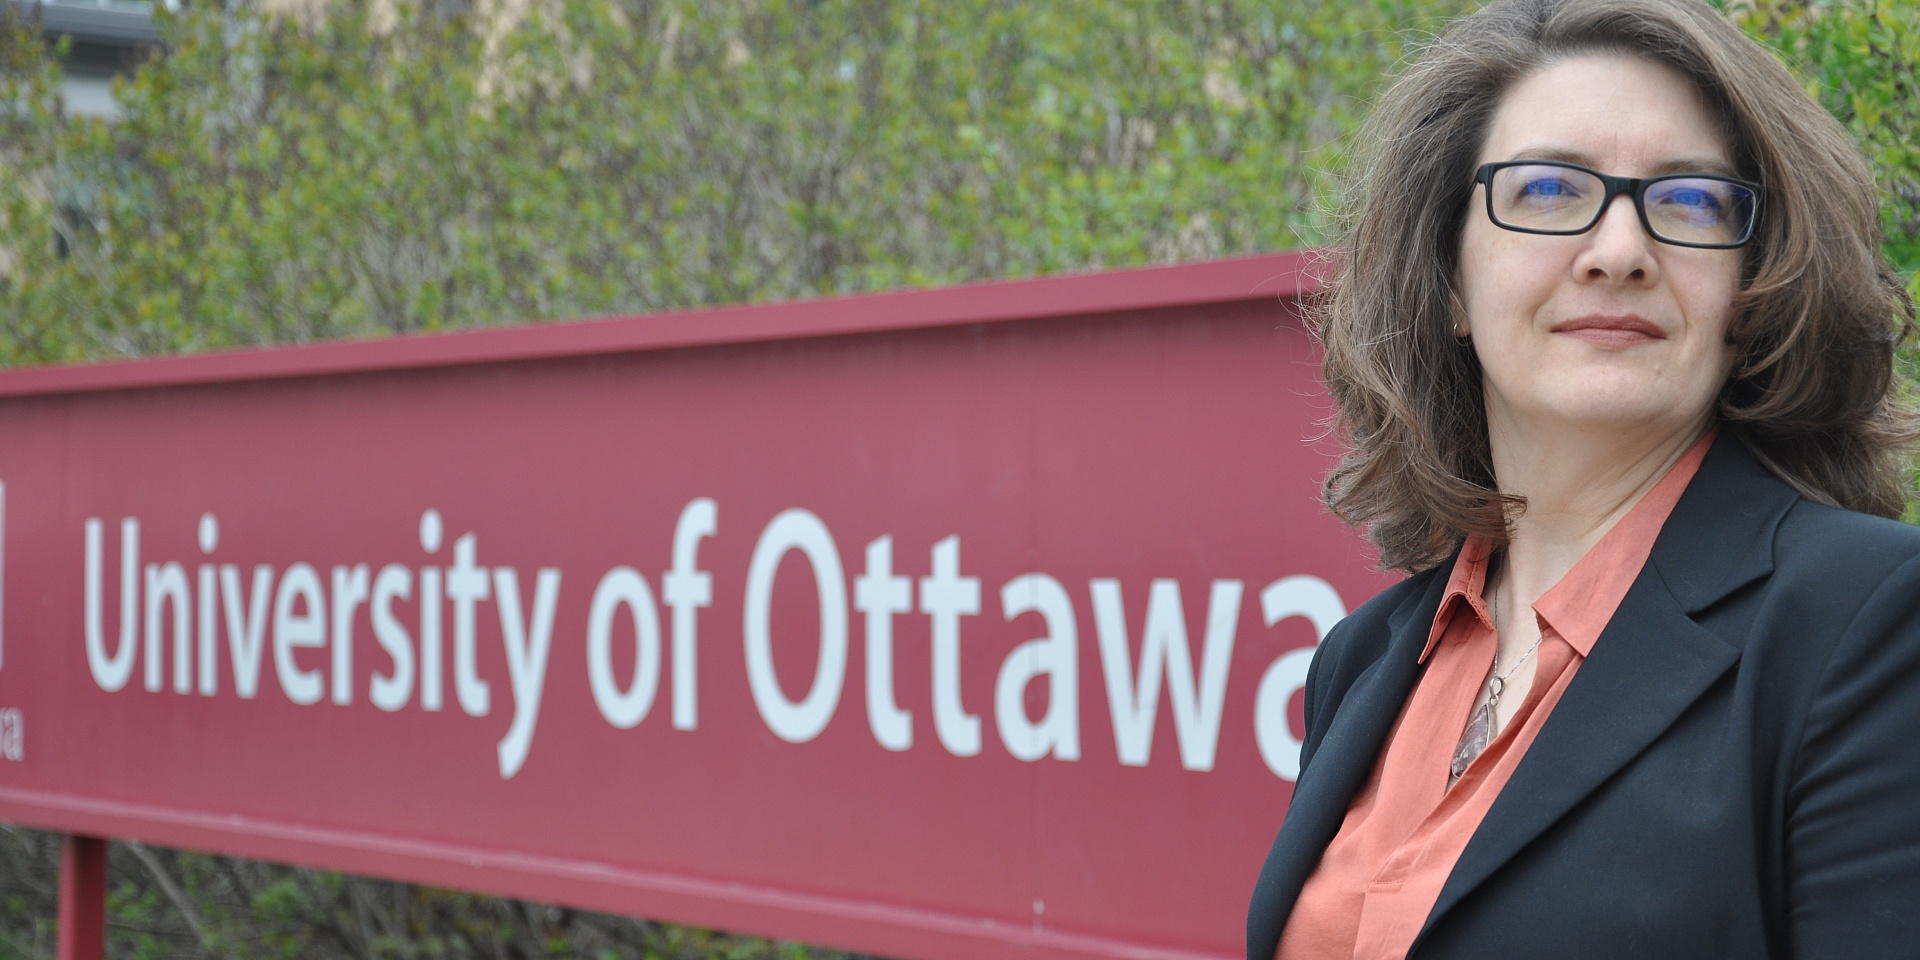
1548	187
1693	199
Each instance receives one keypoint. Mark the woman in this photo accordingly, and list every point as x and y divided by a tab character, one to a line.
1613	343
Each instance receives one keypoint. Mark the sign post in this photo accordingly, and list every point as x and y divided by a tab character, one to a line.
83	898
931	625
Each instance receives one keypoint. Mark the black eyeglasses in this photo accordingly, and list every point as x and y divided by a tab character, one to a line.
1562	199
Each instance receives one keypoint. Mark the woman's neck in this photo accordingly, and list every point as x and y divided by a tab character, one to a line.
1577	485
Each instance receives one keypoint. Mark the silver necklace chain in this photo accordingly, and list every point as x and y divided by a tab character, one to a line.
1497	683
1480	726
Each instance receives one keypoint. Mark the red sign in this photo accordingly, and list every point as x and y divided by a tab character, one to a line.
954	623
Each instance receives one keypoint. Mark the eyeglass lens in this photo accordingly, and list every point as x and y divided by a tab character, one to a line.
1550	197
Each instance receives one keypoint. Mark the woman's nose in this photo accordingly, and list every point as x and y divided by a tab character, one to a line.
1618	247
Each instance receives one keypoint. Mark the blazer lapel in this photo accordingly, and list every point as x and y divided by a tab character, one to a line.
1650	664
1340	765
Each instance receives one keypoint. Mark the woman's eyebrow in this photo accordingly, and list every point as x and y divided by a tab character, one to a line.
1709	165
1556	154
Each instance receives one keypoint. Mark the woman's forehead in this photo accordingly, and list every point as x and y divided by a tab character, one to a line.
1609	112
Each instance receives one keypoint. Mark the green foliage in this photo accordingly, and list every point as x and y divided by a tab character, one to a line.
1861	59
376	167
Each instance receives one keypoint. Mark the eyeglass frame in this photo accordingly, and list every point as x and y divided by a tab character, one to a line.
1635	187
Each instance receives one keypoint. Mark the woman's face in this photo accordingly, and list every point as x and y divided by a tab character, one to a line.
1609	329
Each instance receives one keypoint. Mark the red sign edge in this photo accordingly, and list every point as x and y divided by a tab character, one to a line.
1273	276
824	920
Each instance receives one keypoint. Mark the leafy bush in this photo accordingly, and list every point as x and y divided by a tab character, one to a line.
373	167
1861	58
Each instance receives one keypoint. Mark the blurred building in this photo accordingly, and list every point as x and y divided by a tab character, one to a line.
106	38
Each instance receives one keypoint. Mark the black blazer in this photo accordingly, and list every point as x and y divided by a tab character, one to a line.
1734	772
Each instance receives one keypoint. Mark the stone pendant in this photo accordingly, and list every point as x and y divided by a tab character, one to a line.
1478	734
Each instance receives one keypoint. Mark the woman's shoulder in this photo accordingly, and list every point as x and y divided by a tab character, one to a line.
1838	546
1843	595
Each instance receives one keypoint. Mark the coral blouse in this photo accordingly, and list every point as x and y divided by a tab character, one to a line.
1382	873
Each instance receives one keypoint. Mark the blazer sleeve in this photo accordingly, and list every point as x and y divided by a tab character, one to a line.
1851	841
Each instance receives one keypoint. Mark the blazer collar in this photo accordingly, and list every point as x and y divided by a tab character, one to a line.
1720	535
1651	663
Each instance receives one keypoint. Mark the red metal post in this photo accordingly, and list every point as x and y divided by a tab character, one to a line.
83	899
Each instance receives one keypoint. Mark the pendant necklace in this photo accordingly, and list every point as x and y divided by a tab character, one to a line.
1480	730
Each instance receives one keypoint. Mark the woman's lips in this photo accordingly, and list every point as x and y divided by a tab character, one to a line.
1611	331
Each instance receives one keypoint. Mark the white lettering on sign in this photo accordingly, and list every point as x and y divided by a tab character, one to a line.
349	592
167	587
946	597
467	585
623	586
208	634
1164	651
299	622
172	624
111	672
880	594
430	688
12	734
246	625
796	722
1297	596
528	642
1055	656
686	590
391	691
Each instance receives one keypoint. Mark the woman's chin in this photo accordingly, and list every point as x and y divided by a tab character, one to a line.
1593	413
